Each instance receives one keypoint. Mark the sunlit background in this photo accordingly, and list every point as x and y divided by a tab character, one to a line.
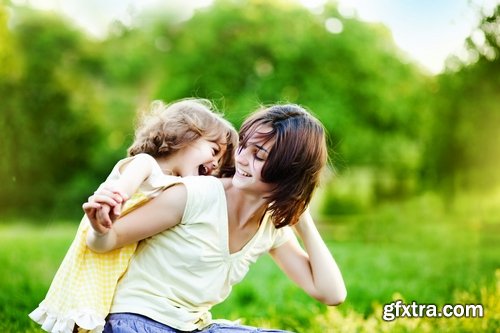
408	91
428	31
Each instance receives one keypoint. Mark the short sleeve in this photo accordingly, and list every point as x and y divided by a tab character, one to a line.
205	198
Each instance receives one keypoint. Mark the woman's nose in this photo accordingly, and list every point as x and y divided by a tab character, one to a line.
241	156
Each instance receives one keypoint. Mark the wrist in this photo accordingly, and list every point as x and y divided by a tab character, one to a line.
305	222
99	242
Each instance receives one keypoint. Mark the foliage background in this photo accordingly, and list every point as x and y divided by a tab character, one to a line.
414	156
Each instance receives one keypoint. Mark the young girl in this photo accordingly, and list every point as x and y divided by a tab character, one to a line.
199	237
182	139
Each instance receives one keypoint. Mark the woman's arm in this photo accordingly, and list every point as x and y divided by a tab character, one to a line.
161	213
314	269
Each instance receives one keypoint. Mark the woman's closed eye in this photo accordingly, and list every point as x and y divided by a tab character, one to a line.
258	157
260	153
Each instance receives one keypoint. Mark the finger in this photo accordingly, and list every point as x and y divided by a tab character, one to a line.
90	212
105	200
104	191
121	194
107	215
97	225
117	210
112	187
90	209
120	197
103	217
91	205
117	196
100	229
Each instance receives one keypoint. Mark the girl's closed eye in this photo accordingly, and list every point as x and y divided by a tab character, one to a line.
216	149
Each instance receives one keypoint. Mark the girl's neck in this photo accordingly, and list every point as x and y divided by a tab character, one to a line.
167	165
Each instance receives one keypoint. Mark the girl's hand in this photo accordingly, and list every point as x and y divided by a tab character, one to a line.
99	220
104	207
105	217
111	194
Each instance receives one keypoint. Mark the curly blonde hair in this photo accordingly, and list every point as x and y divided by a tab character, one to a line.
167	128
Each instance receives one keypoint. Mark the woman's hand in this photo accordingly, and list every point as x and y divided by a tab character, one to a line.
313	267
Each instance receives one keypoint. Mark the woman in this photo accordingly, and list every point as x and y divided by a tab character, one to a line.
200	237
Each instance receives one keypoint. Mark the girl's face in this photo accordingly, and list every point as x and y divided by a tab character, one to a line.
200	158
250	160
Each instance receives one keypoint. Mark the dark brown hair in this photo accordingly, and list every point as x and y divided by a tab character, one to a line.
166	129
295	161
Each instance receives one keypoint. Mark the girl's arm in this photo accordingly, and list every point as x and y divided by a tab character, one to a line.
132	175
314	269
162	212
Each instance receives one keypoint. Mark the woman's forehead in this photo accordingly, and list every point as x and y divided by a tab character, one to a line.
262	136
259	132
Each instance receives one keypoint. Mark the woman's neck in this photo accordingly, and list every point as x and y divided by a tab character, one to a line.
245	213
244	208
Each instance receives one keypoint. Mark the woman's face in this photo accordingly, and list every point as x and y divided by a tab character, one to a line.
201	157
250	159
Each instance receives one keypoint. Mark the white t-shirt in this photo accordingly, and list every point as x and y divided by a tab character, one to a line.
176	276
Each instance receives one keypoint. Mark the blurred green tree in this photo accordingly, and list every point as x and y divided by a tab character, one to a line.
69	102
464	149
47	132
349	73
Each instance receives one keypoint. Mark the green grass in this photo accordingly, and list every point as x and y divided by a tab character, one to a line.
29	257
416	250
